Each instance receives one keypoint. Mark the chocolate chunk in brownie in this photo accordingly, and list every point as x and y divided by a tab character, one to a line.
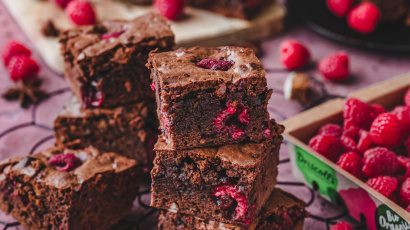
282	211
129	130
68	189
229	183
105	63
210	96
244	9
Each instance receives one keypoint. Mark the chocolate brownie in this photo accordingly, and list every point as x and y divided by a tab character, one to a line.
105	63
68	189
210	96
232	8
229	184
129	130
282	211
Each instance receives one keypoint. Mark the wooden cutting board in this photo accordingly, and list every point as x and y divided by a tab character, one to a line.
200	27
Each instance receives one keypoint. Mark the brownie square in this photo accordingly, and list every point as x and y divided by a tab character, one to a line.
210	96
68	189
244	9
105	63
229	183
129	130
282	211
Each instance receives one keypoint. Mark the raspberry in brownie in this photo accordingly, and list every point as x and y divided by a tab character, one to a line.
281	211
129	130
68	189
210	96
232	8
105	63
229	183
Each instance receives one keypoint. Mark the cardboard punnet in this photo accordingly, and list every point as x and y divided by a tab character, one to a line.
363	203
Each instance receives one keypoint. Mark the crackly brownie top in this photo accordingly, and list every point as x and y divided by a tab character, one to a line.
91	41
199	64
247	154
65	168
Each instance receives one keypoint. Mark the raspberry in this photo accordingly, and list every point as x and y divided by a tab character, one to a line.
293	54
91	96
351	162
244	117
14	48
335	67
112	35
365	141
348	143
227	192
385	185
352	132
62	3
364	17
153	87
341	225
237	133
331	129
379	161
22	68
358	114
171	9
378	109
233	120
408	208
404	163
327	145
386	130
403	114
339	7
407	98
64	162
405	192
81	12
407	145
215	64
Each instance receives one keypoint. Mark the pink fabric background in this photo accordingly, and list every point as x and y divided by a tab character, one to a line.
24	131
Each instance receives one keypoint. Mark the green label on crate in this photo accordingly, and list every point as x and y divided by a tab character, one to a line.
317	173
387	219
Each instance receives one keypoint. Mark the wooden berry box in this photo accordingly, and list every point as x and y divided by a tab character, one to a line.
363	203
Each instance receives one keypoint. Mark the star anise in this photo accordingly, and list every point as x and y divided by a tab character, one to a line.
26	92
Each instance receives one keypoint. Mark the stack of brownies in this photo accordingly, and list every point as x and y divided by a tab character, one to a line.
114	108
216	159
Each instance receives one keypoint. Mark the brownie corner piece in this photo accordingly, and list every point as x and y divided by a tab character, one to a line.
68	189
129	130
210	96
281	211
229	183
105	63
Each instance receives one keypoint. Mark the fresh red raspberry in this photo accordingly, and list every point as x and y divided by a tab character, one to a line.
341	225
228	192
65	162
378	109
81	12
331	129
403	114
243	117
62	3
386	130
171	9
293	54
339	7
379	161
365	141
405	192
351	162
233	120
327	145
14	48
385	185
352	132
402	160
23	68
215	64
153	87
407	145
335	67
407	98
348	143
364	17
408	208
108	36
358	114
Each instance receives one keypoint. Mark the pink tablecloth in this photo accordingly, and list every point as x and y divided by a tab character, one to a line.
24	131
